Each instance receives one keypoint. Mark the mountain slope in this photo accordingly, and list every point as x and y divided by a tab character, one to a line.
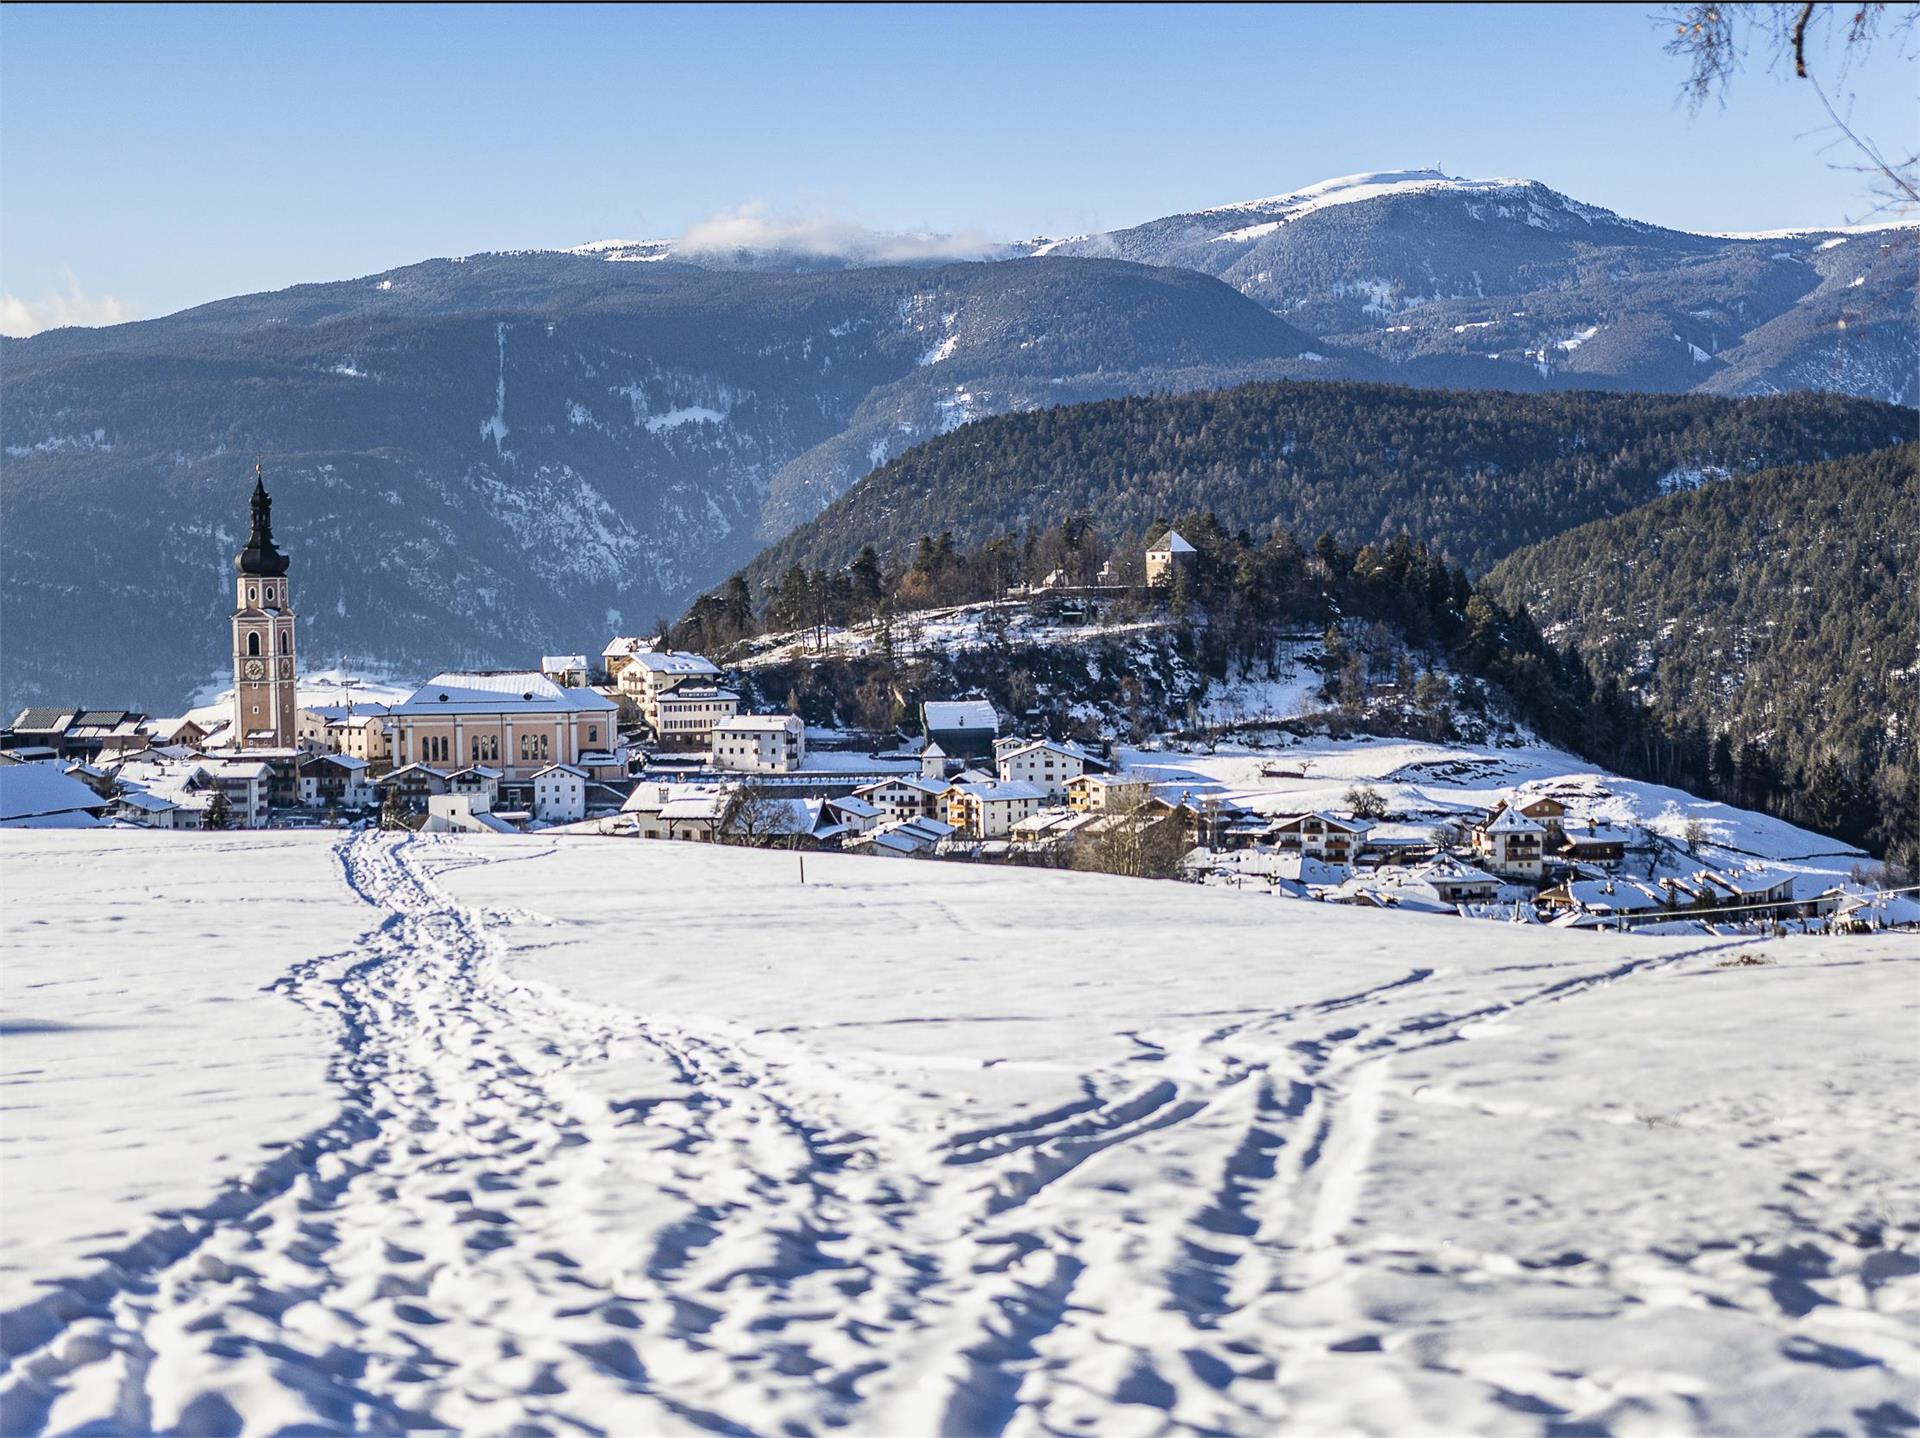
477	459
1510	283
1777	612
1476	475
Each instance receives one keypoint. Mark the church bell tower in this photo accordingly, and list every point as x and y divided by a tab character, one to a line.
263	659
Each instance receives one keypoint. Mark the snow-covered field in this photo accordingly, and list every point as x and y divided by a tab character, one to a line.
633	1138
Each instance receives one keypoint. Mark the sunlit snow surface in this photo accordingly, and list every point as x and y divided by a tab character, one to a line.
639	1138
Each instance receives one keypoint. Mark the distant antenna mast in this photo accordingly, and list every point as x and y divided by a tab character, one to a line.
347	684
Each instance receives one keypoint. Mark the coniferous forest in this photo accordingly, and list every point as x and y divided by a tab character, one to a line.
1772	620
1475	474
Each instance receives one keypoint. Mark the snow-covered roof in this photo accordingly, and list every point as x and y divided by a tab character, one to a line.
1332	821
906	781
1170	543
674	662
760	724
561	663
696	694
38	792
627	645
960	714
500	692
1512	821
237	768
145	802
1064	750
580	774
858	807
996	791
338	761
414	768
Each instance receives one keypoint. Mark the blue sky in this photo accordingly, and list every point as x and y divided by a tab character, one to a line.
156	157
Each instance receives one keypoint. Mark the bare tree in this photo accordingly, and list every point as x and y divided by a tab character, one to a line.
756	818
1143	841
1366	802
1716	38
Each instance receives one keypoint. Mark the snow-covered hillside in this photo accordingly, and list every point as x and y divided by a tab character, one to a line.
920	1148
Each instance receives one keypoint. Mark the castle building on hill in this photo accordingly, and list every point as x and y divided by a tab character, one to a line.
264	667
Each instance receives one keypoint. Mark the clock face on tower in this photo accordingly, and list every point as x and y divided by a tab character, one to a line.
255	668
286	668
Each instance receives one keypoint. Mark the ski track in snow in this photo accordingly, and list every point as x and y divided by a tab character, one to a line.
481	1241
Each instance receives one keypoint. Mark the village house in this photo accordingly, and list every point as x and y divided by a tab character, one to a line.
963	728
1549	813
989	809
336	781
1042	762
1318	835
247	784
477	779
410	786
149	810
647	674
933	761
675	811
685	717
1604	899
902	838
851	817
1511	844
1166	555
1105	793
1594	843
174	733
906	797
620	653
560	794
760	743
569	671
515	721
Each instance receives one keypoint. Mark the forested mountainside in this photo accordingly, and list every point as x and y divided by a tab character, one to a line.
1508	283
475	461
1776	617
1475	475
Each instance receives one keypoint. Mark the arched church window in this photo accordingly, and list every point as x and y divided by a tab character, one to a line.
253	644
252	595
286	642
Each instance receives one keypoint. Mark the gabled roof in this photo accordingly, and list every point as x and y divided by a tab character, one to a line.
1001	790
1332	821
674	662
43	720
414	768
563	662
500	692
1170	543
1064	750
627	644
580	774
31	792
760	723
1512	821
959	714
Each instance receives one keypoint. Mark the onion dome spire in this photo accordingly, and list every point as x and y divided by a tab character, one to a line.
260	556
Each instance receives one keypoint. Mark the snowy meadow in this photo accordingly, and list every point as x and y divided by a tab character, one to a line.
569	1134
